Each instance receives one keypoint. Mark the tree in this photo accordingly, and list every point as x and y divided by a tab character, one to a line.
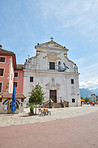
82	98
37	96
86	100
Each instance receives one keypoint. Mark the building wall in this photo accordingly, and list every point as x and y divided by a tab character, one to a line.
44	56
19	80
38	67
11	75
7	78
7	83
54	81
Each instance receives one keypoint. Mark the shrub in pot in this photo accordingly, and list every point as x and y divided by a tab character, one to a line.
31	109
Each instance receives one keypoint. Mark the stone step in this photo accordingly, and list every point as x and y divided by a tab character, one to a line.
57	105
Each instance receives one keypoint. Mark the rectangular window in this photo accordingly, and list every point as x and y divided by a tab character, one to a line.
72	81
31	79
0	87
16	74
2	59
52	65
73	100
1	71
15	84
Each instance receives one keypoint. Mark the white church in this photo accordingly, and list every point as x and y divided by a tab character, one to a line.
52	69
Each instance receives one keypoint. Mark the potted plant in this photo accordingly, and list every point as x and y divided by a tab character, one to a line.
31	109
36	96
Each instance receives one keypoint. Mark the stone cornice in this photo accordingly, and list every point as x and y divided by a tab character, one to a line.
52	48
69	60
50	72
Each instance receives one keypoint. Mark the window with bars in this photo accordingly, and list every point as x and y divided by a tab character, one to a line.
2	59
52	65
1	71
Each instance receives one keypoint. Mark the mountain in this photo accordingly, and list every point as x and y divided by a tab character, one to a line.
94	91
85	92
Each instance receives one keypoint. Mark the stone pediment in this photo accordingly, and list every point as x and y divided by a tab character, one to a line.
53	86
50	85
51	45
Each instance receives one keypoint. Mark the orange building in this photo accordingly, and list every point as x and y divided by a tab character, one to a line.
10	75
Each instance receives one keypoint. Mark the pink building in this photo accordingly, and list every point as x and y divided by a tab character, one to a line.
18	78
7	65
10	75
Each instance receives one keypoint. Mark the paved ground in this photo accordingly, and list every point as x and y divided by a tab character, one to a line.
61	113
75	132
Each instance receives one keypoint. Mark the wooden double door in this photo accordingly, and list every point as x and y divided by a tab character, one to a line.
53	95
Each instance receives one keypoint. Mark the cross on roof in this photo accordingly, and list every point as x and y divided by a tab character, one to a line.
51	38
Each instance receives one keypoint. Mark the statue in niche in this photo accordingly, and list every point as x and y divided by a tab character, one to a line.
62	68
75	69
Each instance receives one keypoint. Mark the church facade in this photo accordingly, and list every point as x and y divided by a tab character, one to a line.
52	69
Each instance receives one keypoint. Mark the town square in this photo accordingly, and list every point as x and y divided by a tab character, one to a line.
48	74
63	128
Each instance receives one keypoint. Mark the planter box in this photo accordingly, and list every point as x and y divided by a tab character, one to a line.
31	113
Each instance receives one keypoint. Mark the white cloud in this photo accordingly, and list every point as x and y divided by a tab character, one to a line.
88	71
92	84
79	14
89	76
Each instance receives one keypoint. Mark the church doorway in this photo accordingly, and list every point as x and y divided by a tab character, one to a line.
53	95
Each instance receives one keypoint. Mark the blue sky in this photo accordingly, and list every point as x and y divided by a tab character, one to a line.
72	23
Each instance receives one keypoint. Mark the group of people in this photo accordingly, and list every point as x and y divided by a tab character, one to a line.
91	103
43	112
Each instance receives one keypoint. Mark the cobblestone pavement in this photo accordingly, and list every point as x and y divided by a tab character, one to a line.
61	113
76	132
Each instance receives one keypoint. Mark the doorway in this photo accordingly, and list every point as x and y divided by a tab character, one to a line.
53	95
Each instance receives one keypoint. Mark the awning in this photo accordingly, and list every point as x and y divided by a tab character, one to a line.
9	95
81	100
